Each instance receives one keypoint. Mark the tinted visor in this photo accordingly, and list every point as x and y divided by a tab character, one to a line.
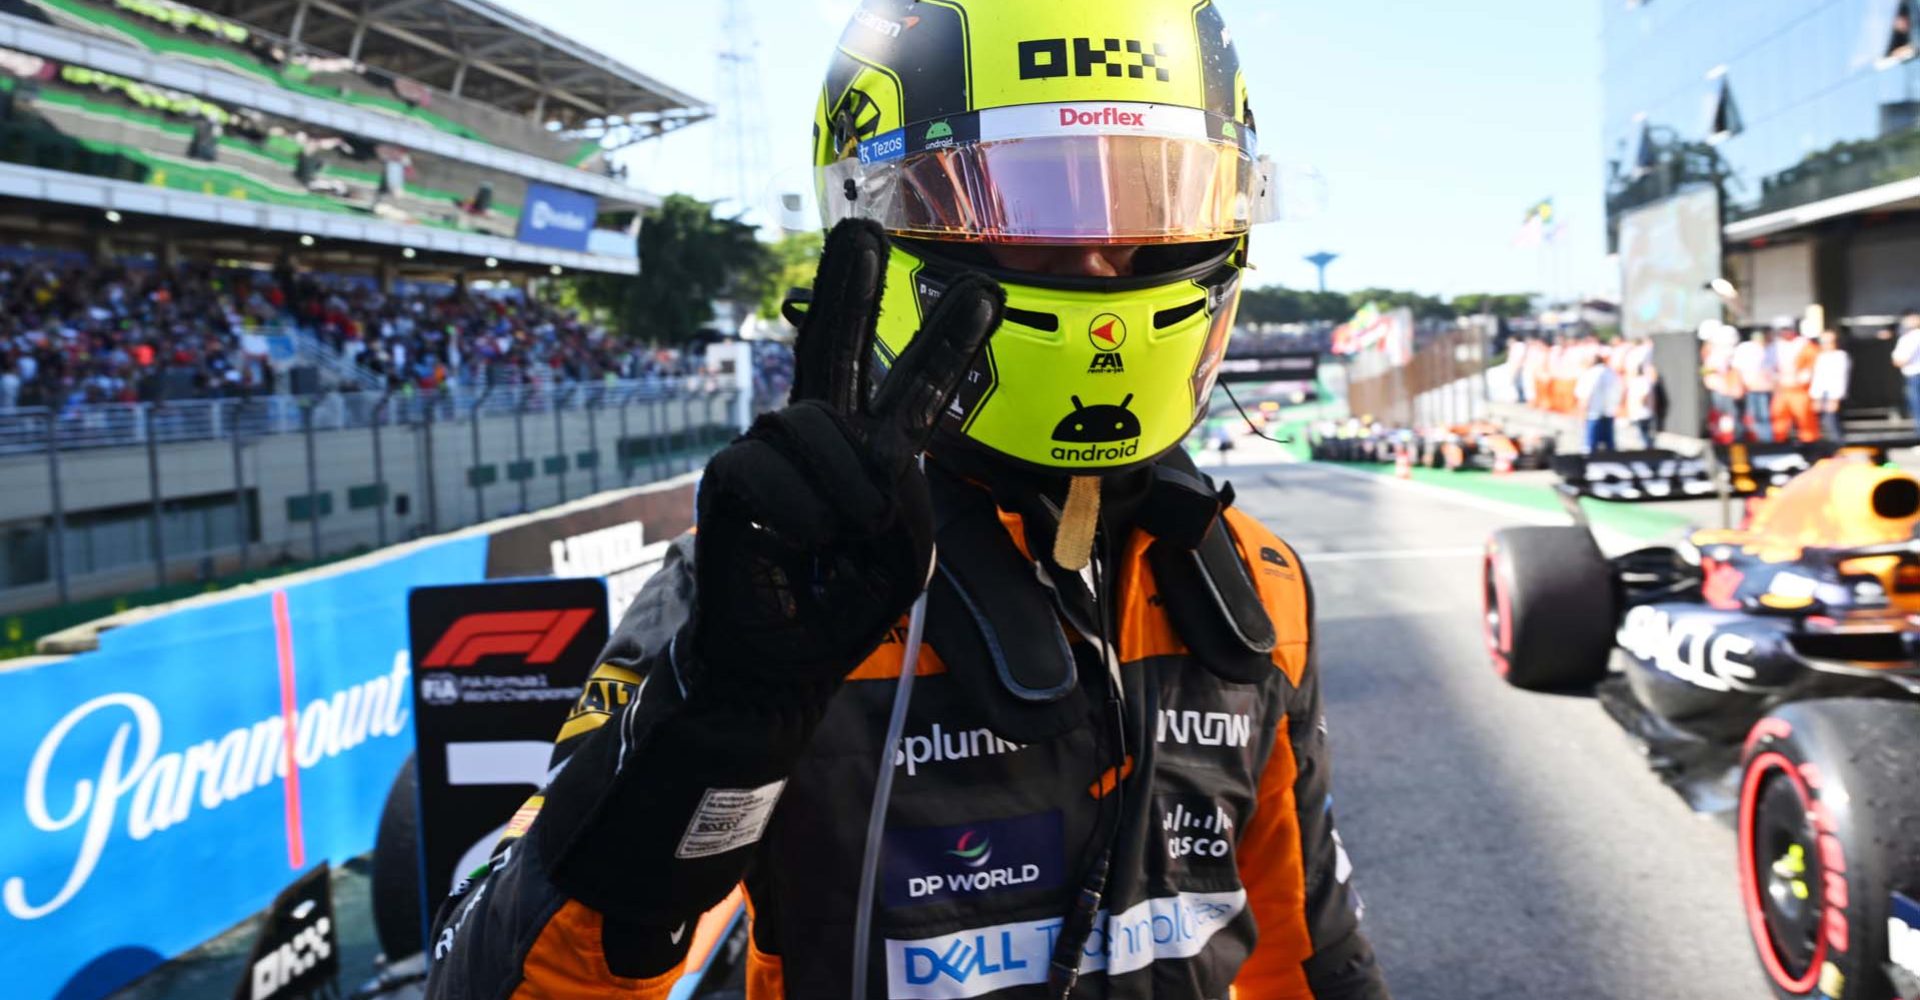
1089	174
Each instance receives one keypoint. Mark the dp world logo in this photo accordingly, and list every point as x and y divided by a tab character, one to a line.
1107	332
973	850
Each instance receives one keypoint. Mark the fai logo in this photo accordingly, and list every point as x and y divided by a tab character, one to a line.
1049	59
540	635
1094	426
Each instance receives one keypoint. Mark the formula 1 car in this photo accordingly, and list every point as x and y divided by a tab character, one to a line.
1477	445
1772	669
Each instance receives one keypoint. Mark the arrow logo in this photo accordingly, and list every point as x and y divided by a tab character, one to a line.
1107	332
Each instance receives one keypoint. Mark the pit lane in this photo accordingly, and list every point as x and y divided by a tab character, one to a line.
1507	844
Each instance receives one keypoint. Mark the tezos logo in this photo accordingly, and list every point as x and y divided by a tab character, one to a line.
1103	424
1047	58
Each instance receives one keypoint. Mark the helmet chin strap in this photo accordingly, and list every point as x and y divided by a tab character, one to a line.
1073	541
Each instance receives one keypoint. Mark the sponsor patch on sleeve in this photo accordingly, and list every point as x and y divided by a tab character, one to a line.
729	819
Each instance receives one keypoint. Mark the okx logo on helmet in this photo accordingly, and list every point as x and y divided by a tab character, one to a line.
1004	136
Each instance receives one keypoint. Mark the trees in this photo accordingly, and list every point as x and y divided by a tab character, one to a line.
795	256
688	258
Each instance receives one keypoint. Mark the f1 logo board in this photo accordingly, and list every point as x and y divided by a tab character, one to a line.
499	666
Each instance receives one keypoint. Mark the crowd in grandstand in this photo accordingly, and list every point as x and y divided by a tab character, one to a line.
73	334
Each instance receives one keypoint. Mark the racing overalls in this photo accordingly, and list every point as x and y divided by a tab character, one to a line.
1202	779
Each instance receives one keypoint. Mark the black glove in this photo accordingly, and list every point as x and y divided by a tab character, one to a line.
815	530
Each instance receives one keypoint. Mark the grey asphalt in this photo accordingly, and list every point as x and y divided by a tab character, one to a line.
1507	844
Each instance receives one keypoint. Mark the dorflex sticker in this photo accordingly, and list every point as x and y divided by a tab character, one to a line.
729	819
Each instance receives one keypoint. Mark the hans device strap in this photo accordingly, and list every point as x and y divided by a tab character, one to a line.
1211	600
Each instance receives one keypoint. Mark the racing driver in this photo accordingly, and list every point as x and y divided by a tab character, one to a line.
1112	779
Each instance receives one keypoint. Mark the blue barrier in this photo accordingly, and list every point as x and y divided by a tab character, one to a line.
155	768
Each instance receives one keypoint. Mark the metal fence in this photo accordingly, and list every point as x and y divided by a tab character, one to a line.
152	494
108	425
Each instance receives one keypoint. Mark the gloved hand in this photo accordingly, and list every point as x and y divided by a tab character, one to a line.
815	530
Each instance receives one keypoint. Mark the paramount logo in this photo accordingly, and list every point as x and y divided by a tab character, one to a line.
155	790
1206	729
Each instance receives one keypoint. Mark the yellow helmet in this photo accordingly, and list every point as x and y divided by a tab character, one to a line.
968	128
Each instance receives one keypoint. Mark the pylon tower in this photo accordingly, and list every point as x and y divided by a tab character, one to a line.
740	143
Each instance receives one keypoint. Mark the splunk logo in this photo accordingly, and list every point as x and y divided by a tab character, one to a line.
939	746
161	790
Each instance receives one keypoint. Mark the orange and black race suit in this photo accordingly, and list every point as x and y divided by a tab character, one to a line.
1228	878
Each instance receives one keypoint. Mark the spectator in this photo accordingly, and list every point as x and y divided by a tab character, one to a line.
1753	365
1642	381
1724	391
1598	392
1906	357
1792	403
1832	370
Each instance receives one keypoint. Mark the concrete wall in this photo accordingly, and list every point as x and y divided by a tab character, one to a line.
425	471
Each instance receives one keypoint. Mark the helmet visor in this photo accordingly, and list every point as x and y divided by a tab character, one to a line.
1057	174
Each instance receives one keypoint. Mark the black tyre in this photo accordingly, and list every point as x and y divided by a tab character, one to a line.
1549	607
396	868
1829	830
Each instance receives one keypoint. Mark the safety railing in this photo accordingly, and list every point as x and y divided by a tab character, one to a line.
108	425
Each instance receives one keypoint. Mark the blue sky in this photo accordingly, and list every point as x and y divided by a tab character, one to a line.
1434	130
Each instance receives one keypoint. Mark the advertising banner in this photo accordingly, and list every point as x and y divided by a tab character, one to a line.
622	541
159	789
558	218
499	665
298	951
1271	366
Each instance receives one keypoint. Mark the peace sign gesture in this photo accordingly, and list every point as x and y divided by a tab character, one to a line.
815	530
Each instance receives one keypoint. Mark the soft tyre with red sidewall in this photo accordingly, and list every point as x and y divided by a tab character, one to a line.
1854	764
1548	607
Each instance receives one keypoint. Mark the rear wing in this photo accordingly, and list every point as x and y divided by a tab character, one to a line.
1738	470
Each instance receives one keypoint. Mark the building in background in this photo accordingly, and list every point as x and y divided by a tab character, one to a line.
1795	122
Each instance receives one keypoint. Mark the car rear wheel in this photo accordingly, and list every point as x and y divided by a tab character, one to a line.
1549	607
1828	820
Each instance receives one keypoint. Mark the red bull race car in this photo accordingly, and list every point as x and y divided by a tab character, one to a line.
1771	669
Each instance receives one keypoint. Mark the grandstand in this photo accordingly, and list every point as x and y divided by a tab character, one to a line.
245	238
438	137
